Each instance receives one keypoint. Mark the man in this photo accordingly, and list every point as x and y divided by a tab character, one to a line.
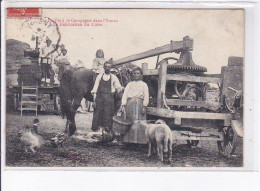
45	55
105	86
46	59
98	68
62	61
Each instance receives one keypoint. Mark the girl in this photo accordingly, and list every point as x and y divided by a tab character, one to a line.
98	62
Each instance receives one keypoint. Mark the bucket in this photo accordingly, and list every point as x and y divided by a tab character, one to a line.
120	125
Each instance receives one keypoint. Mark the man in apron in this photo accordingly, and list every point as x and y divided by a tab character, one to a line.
105	86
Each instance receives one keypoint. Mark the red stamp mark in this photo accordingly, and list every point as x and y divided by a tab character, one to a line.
23	12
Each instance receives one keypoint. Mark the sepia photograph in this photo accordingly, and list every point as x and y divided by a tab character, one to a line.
124	87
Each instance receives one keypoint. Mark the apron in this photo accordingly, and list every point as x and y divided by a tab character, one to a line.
134	108
103	113
135	133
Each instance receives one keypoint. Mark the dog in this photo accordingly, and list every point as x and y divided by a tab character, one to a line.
30	139
159	135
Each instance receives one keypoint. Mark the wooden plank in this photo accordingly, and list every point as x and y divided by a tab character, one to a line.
151	72
16	102
213	75
55	107
204	104
29	95
187	135
154	52
162	112
33	109
145	66
177	121
29	88
48	90
42	90
177	77
29	102
162	82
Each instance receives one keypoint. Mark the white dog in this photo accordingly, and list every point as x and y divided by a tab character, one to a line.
159	135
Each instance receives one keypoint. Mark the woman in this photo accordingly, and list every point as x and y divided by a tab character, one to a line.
134	103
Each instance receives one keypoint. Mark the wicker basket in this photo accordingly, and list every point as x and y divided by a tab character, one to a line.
120	125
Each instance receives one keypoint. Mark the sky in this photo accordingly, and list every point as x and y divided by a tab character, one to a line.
217	34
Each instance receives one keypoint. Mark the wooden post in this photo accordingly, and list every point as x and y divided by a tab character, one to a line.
145	66
16	102
162	82
55	103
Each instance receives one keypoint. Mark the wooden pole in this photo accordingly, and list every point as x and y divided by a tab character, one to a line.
145	66
162	82
55	102
176	46
16	101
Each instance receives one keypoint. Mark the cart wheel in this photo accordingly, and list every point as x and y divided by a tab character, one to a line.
228	146
192	143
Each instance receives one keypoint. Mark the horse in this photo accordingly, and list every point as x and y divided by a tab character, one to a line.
77	84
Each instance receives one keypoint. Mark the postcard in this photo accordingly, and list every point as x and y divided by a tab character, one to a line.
124	87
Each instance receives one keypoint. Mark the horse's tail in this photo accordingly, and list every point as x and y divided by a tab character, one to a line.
66	92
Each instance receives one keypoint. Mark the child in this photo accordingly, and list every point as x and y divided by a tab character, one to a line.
98	63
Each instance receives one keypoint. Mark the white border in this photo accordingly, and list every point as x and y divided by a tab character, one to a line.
132	4
250	139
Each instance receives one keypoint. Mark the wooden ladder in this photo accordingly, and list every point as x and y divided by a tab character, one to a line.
29	99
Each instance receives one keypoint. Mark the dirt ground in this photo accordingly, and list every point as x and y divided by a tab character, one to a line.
79	153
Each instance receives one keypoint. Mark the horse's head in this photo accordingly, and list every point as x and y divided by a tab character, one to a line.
123	74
